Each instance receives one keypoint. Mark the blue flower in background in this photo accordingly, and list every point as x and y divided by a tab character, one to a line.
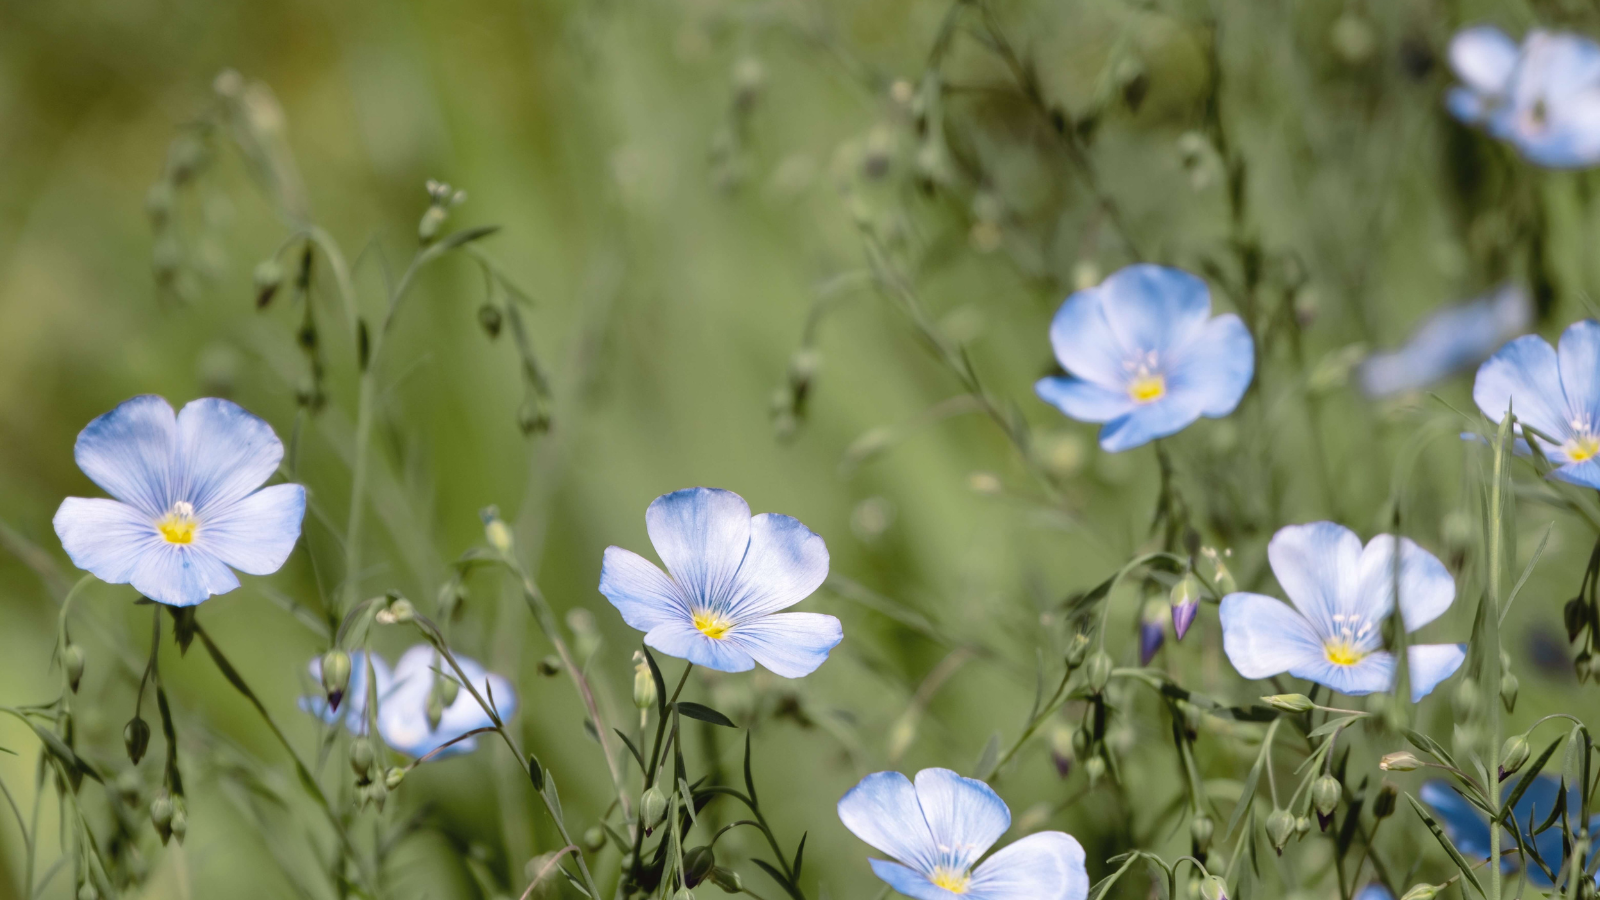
1542	97
353	711
1374	891
1146	357
937	829
1342	593
1468	826
1555	392
403	709
731	574
186	506
1447	341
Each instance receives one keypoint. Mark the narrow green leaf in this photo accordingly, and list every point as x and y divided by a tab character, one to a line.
799	855
1526	571
465	236
704	714
777	876
1449	848
637	756
989	759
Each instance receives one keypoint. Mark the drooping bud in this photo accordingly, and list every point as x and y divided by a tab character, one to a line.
335	676
161	814
1465	698
1095	768
496	531
180	819
490	319
594	839
1213	888
1280	827
697	863
1061	749
1383	806
728	880
398	612
1325	793
432	221
361	756
683	894
1575	615
1077	650
652	806
136	738
1152	631
644	683
393	777
268	277
1201	829
72	658
1302	825
1098	671
1513	755
1400	761
1292	703
1423	892
1508	691
550	665
1185	600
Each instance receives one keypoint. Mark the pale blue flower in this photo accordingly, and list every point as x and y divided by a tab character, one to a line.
1542	97
1374	891
1342	593
938	829
352	711
1468	827
1555	392
1146	357
731	574
403	710
1447	341
186	506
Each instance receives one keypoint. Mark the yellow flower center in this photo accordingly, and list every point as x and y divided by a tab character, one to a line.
951	880
1343	653
1582	447
178	525
1147	388
711	624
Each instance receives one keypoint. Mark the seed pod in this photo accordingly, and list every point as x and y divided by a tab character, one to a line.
1513	755
1575	615
180	820
652	806
1465	699
1280	827
697	863
136	738
497	533
1302	825
72	658
1077	650
335	676
1098	671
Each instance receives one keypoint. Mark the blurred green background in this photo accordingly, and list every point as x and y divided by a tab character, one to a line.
684	188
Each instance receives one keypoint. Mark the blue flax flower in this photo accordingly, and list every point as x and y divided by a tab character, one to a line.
1555	392
1342	593
1449	340
1542	97
1468	827
1374	891
938	829
1146	357
731	574
186	506
403	709
352	712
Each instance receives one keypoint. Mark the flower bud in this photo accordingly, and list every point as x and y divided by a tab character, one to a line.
550	665
1077	650
161	813
496	531
1465	698
652	806
1575	615
644	684
490	320
335	676
1302	824
697	863
1400	761
1513	754
728	880
1098	671
393	777
136	738
72	661
1201	828
1325	793
1095	768
1280	827
683	894
1152	631
88	892
1213	888
399	611
1185	599
1423	892
1061	753
432	221
594	839
1383	806
180	820
268	277
1508	691
361	756
1292	703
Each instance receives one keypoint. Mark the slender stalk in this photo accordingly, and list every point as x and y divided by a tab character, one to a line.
1491	653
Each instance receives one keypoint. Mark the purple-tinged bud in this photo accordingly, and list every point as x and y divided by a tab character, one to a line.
1213	888
1185	604
1061	752
335	676
1152	632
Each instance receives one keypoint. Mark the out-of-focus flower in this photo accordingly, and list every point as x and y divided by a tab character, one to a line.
352	710
1146	357
731	574
1342	593
1468	828
1555	392
1448	341
403	720
937	828
187	506
1374	891
1542	97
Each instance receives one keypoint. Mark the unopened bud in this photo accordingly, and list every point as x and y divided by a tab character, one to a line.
361	756
697	863
72	661
1293	703
180	820
1325	793
136	738
1423	892
1201	828
1077	650
652	806
644	684
1508	691
1185	599
1383	806
398	612
1280	827
432	221
728	880
490	319
594	839
1465	698
1152	631
1302	825
1213	888
88	892
1400	761
393	777
550	666
335	676
1095	768
161	810
496	531
1061	753
1098	671
268	277
683	894
1513	754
